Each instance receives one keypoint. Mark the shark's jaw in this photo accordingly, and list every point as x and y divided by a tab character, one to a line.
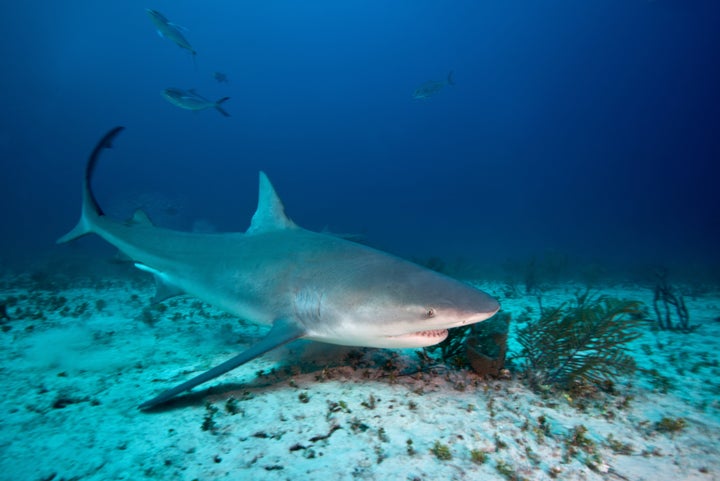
418	339
399	341
411	339
429	337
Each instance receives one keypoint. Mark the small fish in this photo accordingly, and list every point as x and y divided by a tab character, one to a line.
432	87
170	31
220	77
191	100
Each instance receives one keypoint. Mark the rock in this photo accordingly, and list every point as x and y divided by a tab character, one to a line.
486	345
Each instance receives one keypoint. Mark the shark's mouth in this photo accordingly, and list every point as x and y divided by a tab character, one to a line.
416	339
435	333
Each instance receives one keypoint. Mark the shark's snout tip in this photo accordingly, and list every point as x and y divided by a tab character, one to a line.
492	306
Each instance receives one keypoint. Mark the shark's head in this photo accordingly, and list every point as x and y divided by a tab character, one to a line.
400	304
418	311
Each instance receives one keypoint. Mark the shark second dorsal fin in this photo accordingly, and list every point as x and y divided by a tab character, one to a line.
140	217
270	213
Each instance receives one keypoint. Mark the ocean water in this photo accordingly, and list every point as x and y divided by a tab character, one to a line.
585	129
577	146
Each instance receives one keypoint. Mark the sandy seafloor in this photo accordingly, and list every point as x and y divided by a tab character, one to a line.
77	361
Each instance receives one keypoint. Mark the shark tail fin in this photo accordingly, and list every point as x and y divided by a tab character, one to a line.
450	78
90	208
218	106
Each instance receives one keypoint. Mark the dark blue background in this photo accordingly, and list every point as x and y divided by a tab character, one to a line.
583	127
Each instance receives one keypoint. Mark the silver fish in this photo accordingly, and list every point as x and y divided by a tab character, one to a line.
432	87
220	77
169	30
191	100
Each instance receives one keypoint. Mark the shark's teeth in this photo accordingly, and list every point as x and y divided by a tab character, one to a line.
433	333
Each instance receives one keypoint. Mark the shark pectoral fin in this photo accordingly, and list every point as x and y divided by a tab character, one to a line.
282	332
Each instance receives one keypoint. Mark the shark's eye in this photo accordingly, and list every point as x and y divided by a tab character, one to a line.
430	312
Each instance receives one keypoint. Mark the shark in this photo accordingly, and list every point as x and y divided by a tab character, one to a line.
303	284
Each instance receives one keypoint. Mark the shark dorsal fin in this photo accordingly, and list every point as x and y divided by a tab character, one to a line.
270	213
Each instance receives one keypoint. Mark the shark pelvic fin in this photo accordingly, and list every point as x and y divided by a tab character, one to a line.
270	213
163	289
282	332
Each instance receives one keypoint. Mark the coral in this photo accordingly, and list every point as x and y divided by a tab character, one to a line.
232	407
486	345
452	349
481	346
665	301
371	403
410	449
209	423
441	451
670	425
478	457
583	341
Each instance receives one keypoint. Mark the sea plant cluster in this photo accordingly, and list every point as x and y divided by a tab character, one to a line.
584	340
669	305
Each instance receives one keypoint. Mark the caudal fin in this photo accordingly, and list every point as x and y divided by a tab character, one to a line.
219	108
90	207
450	78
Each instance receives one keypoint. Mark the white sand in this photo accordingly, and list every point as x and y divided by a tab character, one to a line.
73	380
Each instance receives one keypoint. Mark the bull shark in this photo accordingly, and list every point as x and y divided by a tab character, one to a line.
303	284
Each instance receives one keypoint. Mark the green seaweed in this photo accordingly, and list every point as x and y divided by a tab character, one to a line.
670	425
581	341
441	451
452	349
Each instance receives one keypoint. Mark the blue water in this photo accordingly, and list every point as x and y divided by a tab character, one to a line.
585	128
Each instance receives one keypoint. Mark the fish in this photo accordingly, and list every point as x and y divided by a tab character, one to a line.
170	31
191	100
432	87
220	77
303	284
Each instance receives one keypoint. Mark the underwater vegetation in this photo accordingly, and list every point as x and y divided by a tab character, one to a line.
669	304
581	341
481	346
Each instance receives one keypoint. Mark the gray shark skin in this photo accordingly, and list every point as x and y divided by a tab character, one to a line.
304	284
